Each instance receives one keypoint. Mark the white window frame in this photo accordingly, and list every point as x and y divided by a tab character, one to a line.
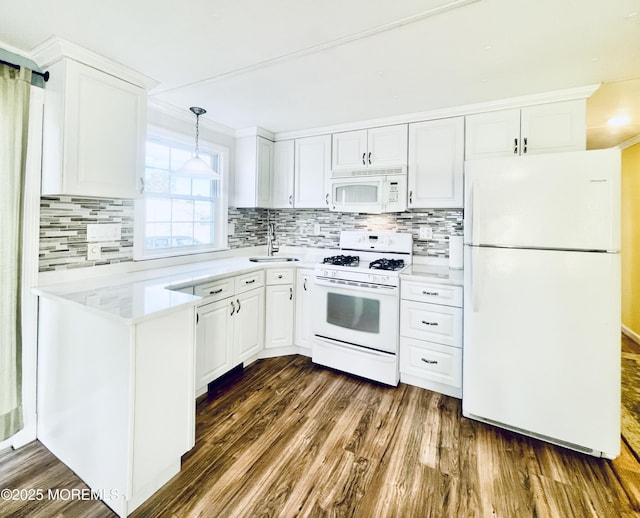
222	213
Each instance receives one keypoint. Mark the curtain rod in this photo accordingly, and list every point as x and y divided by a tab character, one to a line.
43	75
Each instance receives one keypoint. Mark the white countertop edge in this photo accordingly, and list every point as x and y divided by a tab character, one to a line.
112	316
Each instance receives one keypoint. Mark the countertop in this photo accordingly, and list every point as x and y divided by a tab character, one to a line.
136	296
148	294
430	273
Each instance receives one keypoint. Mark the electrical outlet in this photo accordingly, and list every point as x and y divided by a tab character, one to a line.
231	229
426	233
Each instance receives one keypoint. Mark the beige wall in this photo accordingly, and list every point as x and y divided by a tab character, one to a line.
631	239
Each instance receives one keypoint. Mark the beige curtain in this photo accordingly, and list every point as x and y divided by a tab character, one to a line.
14	117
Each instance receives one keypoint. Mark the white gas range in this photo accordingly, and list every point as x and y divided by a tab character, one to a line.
356	302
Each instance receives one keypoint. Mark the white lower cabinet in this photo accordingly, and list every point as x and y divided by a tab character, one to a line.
431	336
214	338
279	308
303	329
248	324
230	326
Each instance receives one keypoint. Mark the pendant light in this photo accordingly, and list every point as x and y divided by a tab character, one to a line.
196	166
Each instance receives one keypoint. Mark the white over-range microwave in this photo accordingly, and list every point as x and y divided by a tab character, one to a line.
369	191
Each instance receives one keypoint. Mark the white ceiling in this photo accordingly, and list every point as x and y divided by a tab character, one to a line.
288	65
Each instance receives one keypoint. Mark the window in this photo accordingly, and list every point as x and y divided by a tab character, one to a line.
179	214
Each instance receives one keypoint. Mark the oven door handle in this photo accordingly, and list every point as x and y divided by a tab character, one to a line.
381	289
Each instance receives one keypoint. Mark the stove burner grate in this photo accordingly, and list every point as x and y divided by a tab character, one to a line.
387	264
342	260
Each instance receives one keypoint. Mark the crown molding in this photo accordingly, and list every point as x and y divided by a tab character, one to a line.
54	49
255	131
568	94
185	115
629	142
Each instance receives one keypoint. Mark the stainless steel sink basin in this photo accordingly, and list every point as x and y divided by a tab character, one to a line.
271	259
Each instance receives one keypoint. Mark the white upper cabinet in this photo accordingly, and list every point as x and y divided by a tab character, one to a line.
283	174
387	146
436	161
312	172
377	147
554	127
349	150
93	134
544	128
253	174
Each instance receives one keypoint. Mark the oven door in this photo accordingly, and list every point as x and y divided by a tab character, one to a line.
357	315
358	194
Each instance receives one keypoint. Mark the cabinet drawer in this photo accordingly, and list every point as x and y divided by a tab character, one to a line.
216	290
280	276
433	293
249	281
431	361
431	322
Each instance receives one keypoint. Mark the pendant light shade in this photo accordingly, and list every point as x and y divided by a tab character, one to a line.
196	166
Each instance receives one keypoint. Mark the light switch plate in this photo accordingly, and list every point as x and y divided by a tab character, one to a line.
426	233
231	229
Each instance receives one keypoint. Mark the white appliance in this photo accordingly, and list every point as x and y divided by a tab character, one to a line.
542	297
356	305
369	191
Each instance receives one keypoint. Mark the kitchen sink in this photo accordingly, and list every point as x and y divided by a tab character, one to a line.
271	259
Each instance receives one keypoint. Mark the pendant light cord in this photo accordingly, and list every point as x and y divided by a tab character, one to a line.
197	133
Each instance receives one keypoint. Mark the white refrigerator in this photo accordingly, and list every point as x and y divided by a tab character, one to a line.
542	297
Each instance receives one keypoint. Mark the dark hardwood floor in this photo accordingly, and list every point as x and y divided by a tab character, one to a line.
287	438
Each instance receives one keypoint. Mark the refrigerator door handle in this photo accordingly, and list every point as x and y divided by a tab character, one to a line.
473	209
475	296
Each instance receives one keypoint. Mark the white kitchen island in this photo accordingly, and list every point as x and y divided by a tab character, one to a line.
115	397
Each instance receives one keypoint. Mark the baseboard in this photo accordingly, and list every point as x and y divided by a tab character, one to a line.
631	334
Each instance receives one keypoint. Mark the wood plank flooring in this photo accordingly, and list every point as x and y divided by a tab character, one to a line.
287	438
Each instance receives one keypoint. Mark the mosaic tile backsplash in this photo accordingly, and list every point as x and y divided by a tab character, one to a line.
63	231
64	220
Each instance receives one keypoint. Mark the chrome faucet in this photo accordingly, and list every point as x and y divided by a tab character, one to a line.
271	239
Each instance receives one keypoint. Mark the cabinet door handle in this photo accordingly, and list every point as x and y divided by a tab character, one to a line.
326	199
410	197
304	284
233	308
524	145
432	293
141	189
290	293
363	160
426	323
250	282
280	276
515	146
369	157
238	301
430	362
197	318
215	292
291	199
